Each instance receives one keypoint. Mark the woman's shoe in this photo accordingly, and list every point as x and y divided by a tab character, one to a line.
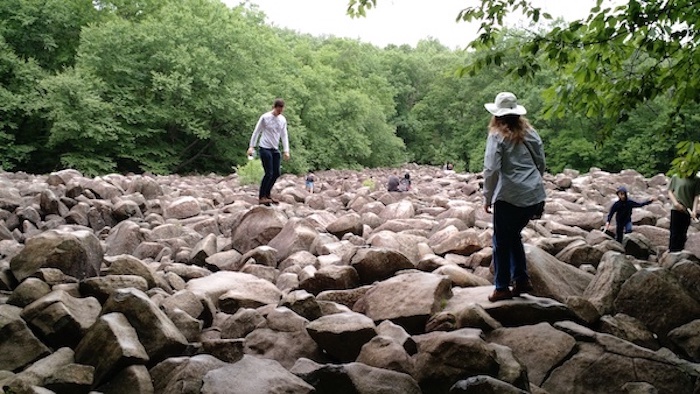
273	201
522	287
264	201
499	295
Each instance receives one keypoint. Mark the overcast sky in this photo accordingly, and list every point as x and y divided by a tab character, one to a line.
394	21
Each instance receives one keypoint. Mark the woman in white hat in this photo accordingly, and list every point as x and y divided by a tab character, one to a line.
513	189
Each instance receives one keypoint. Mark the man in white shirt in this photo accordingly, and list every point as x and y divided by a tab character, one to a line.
271	128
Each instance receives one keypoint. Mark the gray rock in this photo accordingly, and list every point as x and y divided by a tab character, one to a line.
463	242
444	358
408	299
668	304
257	227
71	378
330	277
110	345
124	238
203	249
342	335
159	336
361	378
284	347
183	374
38	372
223	261
243	377
182	208
228	350
242	323
630	329
541	347
687	337
129	265
77	253
613	271
384	352
553	278
30	290
302	303
133	379
376	264
61	319
484	384
104	286
349	223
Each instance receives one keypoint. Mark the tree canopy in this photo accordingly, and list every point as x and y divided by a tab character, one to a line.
622	56
176	86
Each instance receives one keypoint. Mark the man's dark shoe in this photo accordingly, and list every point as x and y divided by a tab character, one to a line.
499	295
273	201
264	201
522	287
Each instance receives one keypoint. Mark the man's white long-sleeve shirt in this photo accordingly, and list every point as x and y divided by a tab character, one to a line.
271	129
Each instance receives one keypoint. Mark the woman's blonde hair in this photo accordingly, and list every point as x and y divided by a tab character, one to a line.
511	127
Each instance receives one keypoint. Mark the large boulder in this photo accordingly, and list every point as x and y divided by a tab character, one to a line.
443	358
60	318
296	235
234	290
613	271
110	345
408	299
375	264
602	363
541	347
354	378
244	377
667	304
257	227
76	253
158	334
553	278
18	345
342	335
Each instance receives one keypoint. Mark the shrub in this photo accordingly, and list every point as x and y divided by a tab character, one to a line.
369	183
251	173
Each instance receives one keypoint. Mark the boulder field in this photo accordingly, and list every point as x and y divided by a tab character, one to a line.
183	284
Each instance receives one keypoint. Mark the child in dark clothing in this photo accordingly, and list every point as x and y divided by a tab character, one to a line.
405	183
622	209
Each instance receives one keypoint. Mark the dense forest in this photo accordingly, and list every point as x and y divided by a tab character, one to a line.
176	86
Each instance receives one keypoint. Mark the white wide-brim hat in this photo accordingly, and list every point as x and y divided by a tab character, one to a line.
505	104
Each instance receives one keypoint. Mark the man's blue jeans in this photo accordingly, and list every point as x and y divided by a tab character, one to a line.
509	260
270	159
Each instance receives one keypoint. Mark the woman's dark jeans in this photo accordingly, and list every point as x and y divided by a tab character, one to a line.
270	159
509	260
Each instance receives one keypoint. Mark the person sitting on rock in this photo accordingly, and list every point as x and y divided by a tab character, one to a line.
405	183
622	209
393	184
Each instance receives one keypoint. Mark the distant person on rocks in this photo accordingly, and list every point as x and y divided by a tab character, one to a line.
622	209
683	193
393	184
271	127
405	183
310	178
513	189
